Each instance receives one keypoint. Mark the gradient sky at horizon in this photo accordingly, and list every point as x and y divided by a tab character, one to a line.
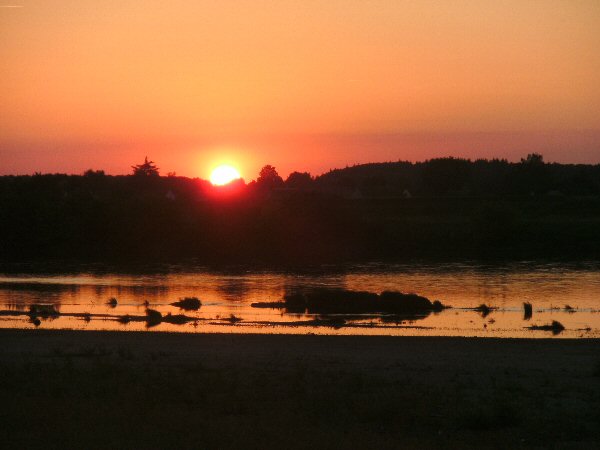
302	85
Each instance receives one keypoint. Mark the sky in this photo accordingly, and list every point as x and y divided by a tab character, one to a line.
299	84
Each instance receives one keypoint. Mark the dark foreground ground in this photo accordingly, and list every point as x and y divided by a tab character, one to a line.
70	389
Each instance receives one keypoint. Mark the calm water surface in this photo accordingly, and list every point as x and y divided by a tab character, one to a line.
549	287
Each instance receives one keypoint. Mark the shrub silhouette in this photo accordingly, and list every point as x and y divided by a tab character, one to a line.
188	304
299	180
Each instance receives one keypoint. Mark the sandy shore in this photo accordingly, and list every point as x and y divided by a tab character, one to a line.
298	391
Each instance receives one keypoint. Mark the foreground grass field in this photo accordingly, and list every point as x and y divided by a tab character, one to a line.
69	389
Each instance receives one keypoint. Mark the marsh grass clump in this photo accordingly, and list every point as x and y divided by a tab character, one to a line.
153	317
341	301
528	310
233	319
556	327
438	306
188	304
177	319
484	309
333	322
269	305
124	319
42	310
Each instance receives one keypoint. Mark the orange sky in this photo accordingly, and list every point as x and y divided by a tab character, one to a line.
306	85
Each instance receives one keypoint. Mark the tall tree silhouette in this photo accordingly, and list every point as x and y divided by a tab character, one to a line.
299	180
148	169
534	173
268	178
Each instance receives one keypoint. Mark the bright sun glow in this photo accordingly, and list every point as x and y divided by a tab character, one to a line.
224	174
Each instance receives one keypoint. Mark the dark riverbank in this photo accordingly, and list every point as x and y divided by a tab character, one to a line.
95	389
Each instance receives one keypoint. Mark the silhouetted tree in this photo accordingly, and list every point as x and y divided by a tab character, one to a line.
268	178
299	180
533	159
534	173
148	169
93	173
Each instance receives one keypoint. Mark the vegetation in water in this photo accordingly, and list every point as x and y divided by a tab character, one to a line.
188	304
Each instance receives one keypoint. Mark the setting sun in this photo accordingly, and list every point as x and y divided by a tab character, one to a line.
224	174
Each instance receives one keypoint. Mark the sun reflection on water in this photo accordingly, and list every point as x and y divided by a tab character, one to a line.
81	300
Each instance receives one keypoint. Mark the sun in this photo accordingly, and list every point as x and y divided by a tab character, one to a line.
223	175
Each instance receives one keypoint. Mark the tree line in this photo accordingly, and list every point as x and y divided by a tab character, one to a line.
435	177
442	208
